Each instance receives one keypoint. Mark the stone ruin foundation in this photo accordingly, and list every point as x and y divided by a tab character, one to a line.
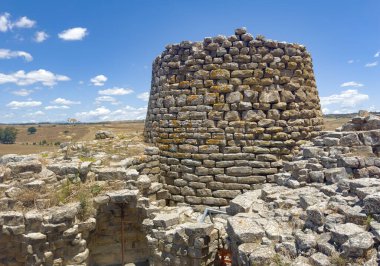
226	112
236	123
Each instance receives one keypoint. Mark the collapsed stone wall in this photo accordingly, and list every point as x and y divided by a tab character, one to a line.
225	112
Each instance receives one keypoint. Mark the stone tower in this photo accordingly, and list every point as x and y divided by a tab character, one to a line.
227	111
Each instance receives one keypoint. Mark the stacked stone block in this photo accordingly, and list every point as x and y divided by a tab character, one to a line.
225	112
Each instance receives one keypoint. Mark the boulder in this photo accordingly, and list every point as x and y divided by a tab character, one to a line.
104	134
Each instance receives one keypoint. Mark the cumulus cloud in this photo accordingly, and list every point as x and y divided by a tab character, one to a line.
17	104
105	114
373	64
5	23
24	22
73	34
42	76
96	114
143	96
345	102
52	107
350	61
115	91
377	54
108	99
99	80
64	101
40	36
22	92
351	84
8	54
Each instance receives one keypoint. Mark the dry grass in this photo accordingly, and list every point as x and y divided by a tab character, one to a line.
332	123
54	134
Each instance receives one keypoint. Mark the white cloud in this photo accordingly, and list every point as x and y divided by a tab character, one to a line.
5	23
17	105
377	54
143	96
345	102
43	76
115	91
40	36
8	54
63	101
371	64
96	114
104	114
350	61
22	92
37	113
325	110
99	80
73	34
109	99
351	84
24	22
51	107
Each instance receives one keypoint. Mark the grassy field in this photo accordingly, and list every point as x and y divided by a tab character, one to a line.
54	134
57	133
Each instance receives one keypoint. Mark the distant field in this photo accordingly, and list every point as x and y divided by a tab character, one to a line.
54	134
331	123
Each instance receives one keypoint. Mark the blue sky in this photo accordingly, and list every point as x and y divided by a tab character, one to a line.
91	60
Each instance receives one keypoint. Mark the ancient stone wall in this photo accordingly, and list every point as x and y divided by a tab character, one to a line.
225	112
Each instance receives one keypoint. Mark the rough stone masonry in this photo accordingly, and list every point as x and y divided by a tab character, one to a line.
226	112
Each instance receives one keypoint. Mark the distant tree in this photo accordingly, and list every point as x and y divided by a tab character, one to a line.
8	135
32	130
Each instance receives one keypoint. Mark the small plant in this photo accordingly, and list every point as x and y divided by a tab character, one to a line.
95	190
260	37
84	206
368	221
278	260
87	159
338	260
66	132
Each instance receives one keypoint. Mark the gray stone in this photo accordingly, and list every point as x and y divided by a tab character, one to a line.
244	230
320	259
334	175
243	203
372	203
358	244
342	232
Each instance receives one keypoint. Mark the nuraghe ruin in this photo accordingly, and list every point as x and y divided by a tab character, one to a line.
238	165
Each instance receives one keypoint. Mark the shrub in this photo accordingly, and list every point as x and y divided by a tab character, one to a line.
8	135
32	130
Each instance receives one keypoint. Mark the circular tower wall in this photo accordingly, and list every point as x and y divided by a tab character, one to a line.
227	111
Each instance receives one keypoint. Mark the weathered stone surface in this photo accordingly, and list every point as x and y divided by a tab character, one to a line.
244	230
372	203
24	166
